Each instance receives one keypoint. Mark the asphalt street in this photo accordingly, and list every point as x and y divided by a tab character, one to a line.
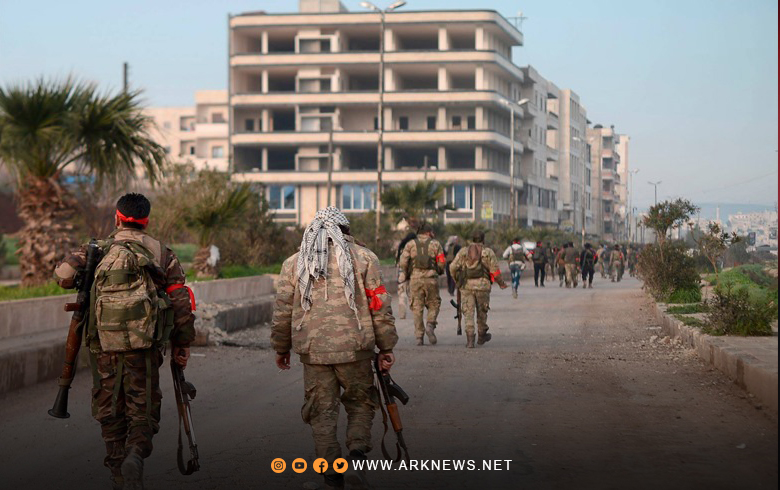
572	390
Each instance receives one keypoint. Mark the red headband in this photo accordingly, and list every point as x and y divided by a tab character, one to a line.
130	219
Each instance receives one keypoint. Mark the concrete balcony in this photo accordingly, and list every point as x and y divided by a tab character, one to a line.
552	120
552	154
608	196
292	138
211	130
607	174
369	176
428	97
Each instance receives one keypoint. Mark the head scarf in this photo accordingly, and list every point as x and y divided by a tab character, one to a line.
313	256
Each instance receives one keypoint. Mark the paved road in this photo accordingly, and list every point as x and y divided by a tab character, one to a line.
571	390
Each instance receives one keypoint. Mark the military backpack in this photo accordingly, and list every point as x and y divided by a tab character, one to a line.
517	254
128	311
423	259
589	260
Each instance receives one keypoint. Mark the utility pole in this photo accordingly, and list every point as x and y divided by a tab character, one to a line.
655	185
125	73
330	162
512	197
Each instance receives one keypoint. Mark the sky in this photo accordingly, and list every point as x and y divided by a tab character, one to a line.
694	83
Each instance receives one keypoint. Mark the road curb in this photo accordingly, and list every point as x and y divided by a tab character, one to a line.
751	373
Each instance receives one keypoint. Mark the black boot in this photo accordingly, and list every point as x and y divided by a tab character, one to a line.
133	471
354	476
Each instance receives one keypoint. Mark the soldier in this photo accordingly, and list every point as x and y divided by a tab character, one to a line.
539	260
615	263
332	308
588	260
560	264
571	260
604	260
422	262
476	269
403	286
451	249
125	344
633	256
515	255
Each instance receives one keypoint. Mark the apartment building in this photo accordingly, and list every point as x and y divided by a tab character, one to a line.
196	135
302	84
538	164
622	143
574	162
609	203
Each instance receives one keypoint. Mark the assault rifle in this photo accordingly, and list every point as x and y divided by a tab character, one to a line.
83	279
185	391
458	312
389	392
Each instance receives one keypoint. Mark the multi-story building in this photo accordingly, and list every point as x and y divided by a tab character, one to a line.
574	167
609	210
539	199
196	135
303	84
628	232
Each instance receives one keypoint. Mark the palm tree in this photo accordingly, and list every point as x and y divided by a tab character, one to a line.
215	205
47	127
416	201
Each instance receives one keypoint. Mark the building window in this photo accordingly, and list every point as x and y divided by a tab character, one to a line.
249	124
376	123
217	117
192	150
217	152
431	121
456	122
471	121
357	197
281	197
403	123
461	196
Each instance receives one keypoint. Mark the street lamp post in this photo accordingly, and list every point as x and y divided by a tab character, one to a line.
582	194
655	185
631	174
512	197
380	161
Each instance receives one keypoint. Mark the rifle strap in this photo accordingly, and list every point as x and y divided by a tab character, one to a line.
385	454
190	468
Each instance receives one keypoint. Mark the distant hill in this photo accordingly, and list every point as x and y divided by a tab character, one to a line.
709	210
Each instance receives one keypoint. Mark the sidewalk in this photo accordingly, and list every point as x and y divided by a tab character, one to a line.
750	361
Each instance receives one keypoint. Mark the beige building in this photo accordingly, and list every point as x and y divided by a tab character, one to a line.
539	162
610	177
574	166
302	83
197	135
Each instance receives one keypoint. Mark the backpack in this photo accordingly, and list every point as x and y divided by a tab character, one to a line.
423	260
589	260
451	253
475	270
518	255
128	312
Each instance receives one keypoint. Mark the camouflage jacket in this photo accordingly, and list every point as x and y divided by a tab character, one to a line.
329	333
435	252
183	319
571	256
489	260
616	257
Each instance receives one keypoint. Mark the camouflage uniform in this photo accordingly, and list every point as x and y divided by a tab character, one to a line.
571	258
424	284
475	292
615	263
336	347
128	412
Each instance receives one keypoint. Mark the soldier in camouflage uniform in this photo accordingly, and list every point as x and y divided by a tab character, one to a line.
476	269
332	309
571	258
615	264
422	262
128	412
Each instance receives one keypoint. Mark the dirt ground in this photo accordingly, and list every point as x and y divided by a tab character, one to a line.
575	389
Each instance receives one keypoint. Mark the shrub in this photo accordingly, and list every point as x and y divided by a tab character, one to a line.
687	309
733	312
669	273
691	321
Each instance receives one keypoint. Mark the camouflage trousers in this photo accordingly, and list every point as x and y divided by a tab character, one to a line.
471	300
126	399
615	272
350	383
403	299
571	275
424	294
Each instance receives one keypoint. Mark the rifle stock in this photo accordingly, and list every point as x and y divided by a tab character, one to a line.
75	331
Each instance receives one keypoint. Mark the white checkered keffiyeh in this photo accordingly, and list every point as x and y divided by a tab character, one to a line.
313	256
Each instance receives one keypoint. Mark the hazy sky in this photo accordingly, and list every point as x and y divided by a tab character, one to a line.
693	82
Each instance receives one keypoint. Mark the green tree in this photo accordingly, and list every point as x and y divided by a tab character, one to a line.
48	127
713	244
214	206
668	215
416	202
